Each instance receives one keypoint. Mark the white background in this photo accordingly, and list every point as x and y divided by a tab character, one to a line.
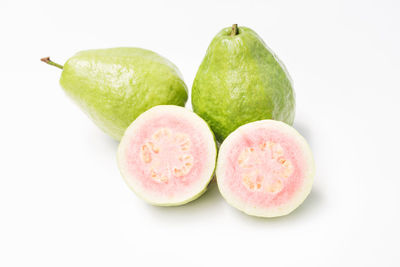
64	203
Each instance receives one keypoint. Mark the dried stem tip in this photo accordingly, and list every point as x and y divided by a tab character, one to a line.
48	61
235	30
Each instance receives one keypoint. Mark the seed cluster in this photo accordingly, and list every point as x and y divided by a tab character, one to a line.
152	149
268	154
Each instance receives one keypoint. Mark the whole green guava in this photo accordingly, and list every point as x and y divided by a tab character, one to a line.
114	86
239	81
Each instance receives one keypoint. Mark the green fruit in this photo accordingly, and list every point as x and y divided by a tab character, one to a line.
239	81
114	86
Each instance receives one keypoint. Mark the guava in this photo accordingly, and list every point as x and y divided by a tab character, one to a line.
239	81
113	86
167	156
265	168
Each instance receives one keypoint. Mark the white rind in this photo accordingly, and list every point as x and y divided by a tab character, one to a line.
300	195
196	189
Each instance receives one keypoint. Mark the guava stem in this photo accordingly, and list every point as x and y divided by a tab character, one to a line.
235	30
48	61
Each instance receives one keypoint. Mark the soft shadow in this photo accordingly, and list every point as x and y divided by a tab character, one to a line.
306	210
211	199
101	141
303	129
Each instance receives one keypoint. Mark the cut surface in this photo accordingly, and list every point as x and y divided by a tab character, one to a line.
167	155
265	168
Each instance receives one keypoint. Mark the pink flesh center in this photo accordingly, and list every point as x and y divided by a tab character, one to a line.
167	155
264	168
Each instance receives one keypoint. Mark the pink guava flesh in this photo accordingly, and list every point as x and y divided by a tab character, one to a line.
265	169
167	156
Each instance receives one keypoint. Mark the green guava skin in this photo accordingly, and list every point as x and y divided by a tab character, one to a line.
239	81
113	86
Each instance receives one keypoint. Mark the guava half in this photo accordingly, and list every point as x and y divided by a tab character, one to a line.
167	155
265	169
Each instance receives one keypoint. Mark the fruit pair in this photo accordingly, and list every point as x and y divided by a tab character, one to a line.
239	81
168	156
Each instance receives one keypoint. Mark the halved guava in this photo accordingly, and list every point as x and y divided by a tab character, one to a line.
265	169
167	155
